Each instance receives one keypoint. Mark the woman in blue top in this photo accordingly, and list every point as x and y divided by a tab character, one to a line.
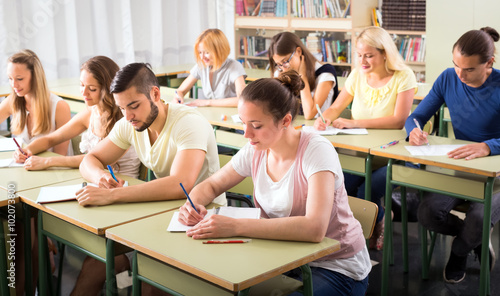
472	93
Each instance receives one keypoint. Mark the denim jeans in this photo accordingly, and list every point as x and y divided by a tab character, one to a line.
434	214
327	283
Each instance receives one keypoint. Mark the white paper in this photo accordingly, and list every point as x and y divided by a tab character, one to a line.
61	193
9	163
236	118
330	130
431	150
233	212
8	144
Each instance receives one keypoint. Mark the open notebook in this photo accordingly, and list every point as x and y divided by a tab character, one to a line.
61	193
330	130
233	212
7	144
10	163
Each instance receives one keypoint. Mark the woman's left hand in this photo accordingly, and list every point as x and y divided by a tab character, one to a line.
213	227
343	123
303	68
36	163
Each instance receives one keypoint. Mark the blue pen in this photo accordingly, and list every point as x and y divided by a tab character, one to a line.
111	172
178	101
389	144
190	201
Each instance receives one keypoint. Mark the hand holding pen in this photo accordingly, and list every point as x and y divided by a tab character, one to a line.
321	123
110	181
20	155
189	213
178	99
417	135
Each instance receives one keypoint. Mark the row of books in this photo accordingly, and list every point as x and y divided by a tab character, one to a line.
412	49
321	8
254	46
276	8
247	7
329	50
404	15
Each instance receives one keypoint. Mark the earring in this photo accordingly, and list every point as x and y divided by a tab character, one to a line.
284	127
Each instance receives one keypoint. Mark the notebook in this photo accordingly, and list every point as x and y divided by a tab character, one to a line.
233	212
330	130
9	163
61	193
7	144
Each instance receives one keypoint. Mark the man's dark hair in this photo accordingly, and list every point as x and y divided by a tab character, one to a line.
139	75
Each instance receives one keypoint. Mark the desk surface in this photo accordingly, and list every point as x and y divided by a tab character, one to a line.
172	70
484	166
98	219
231	266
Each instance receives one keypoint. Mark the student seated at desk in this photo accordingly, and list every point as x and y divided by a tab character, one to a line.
174	141
222	78
95	122
381	91
471	87
287	52
35	111
298	185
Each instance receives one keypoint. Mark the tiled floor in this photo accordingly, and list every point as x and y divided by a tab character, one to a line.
409	284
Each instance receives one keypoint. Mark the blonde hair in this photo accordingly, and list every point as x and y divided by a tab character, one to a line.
215	42
381	40
40	105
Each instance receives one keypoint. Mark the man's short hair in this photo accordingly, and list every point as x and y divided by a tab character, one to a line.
139	75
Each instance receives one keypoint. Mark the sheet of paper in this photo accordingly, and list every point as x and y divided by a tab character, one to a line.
7	144
431	150
236	118
233	212
61	193
330	130
9	163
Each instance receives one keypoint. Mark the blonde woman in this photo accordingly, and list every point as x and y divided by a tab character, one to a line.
381	91
222	78
35	111
95	122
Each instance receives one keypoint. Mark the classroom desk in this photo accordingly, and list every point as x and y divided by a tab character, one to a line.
170	73
83	227
192	268
474	180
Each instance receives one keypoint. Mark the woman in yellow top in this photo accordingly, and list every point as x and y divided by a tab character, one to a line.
381	91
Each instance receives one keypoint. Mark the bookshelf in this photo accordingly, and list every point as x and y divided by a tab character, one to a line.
333	32
253	33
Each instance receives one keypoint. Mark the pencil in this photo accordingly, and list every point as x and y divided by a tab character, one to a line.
320	114
18	146
111	172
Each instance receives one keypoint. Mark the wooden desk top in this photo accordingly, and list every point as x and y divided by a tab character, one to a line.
25	180
172	70
231	266
484	166
98	219
4	198
363	143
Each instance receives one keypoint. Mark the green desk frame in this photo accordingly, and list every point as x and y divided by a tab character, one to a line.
420	178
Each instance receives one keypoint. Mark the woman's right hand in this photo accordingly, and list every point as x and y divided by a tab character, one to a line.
188	215
320	125
20	157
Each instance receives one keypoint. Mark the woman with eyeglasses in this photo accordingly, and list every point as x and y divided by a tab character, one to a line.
381	91
222	78
287	52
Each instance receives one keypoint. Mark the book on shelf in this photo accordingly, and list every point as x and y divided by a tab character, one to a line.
320	8
247	7
268	8
412	49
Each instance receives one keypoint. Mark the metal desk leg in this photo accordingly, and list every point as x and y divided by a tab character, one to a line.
404	226
484	285
111	287
28	276
388	231
368	177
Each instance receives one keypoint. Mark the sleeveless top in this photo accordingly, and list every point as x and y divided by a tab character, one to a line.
128	164
24	135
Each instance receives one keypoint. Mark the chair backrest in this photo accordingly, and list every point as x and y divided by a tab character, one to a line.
245	187
365	212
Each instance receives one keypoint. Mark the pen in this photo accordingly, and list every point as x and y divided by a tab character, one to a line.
238	241
299	126
18	146
177	96
111	172
320	114
389	144
418	126
190	201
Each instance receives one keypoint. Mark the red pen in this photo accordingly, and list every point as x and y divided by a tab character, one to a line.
238	241
20	149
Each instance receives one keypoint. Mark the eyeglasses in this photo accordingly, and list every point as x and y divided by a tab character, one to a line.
285	64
